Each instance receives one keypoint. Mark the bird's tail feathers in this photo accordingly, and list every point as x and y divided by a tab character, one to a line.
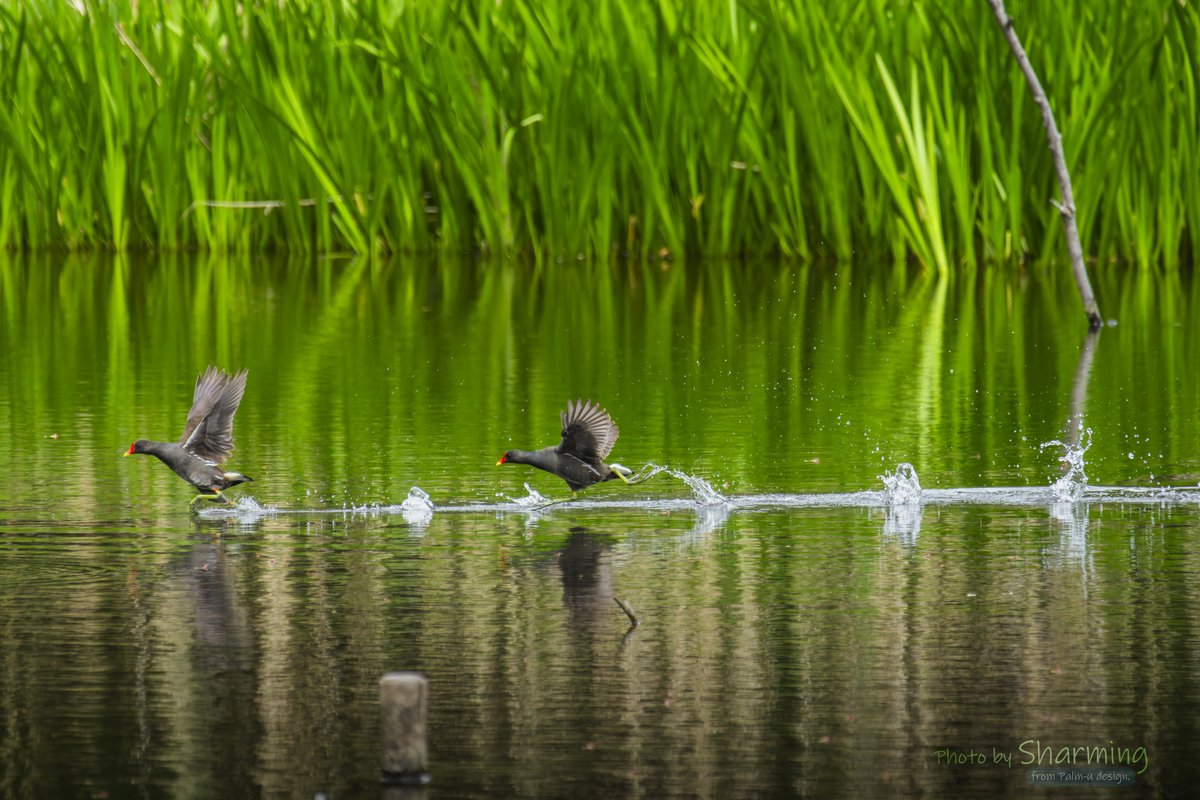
234	478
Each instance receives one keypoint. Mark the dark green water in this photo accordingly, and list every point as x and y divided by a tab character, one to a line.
801	638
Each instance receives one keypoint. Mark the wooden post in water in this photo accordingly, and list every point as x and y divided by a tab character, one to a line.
403	703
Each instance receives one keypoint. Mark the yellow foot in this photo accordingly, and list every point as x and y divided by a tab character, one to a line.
623	473
215	497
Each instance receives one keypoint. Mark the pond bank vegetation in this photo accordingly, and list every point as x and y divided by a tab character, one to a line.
570	130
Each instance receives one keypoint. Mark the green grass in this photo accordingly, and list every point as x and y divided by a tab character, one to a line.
570	128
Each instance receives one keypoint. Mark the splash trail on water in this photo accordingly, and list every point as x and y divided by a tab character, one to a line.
902	498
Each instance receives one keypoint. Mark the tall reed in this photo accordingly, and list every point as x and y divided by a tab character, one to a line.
575	129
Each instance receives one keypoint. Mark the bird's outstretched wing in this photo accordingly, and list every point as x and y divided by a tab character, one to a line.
588	432
209	429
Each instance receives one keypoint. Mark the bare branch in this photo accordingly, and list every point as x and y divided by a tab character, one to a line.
1067	208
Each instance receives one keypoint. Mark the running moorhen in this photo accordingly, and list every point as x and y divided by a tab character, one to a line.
207	437
588	436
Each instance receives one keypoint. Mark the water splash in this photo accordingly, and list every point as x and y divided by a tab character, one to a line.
248	505
902	486
417	508
648	471
1071	486
702	491
902	518
532	500
246	511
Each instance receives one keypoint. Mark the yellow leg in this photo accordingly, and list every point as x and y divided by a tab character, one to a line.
215	496
623	473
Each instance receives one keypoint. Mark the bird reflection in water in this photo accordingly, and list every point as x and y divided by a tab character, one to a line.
585	562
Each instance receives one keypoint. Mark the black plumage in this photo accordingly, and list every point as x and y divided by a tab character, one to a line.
207	438
588	436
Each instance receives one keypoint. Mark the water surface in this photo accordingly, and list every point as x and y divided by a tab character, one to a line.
807	627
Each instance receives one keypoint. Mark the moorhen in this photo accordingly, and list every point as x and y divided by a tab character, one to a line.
588	436
207	437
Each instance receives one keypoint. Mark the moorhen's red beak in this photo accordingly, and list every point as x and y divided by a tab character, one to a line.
501	461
